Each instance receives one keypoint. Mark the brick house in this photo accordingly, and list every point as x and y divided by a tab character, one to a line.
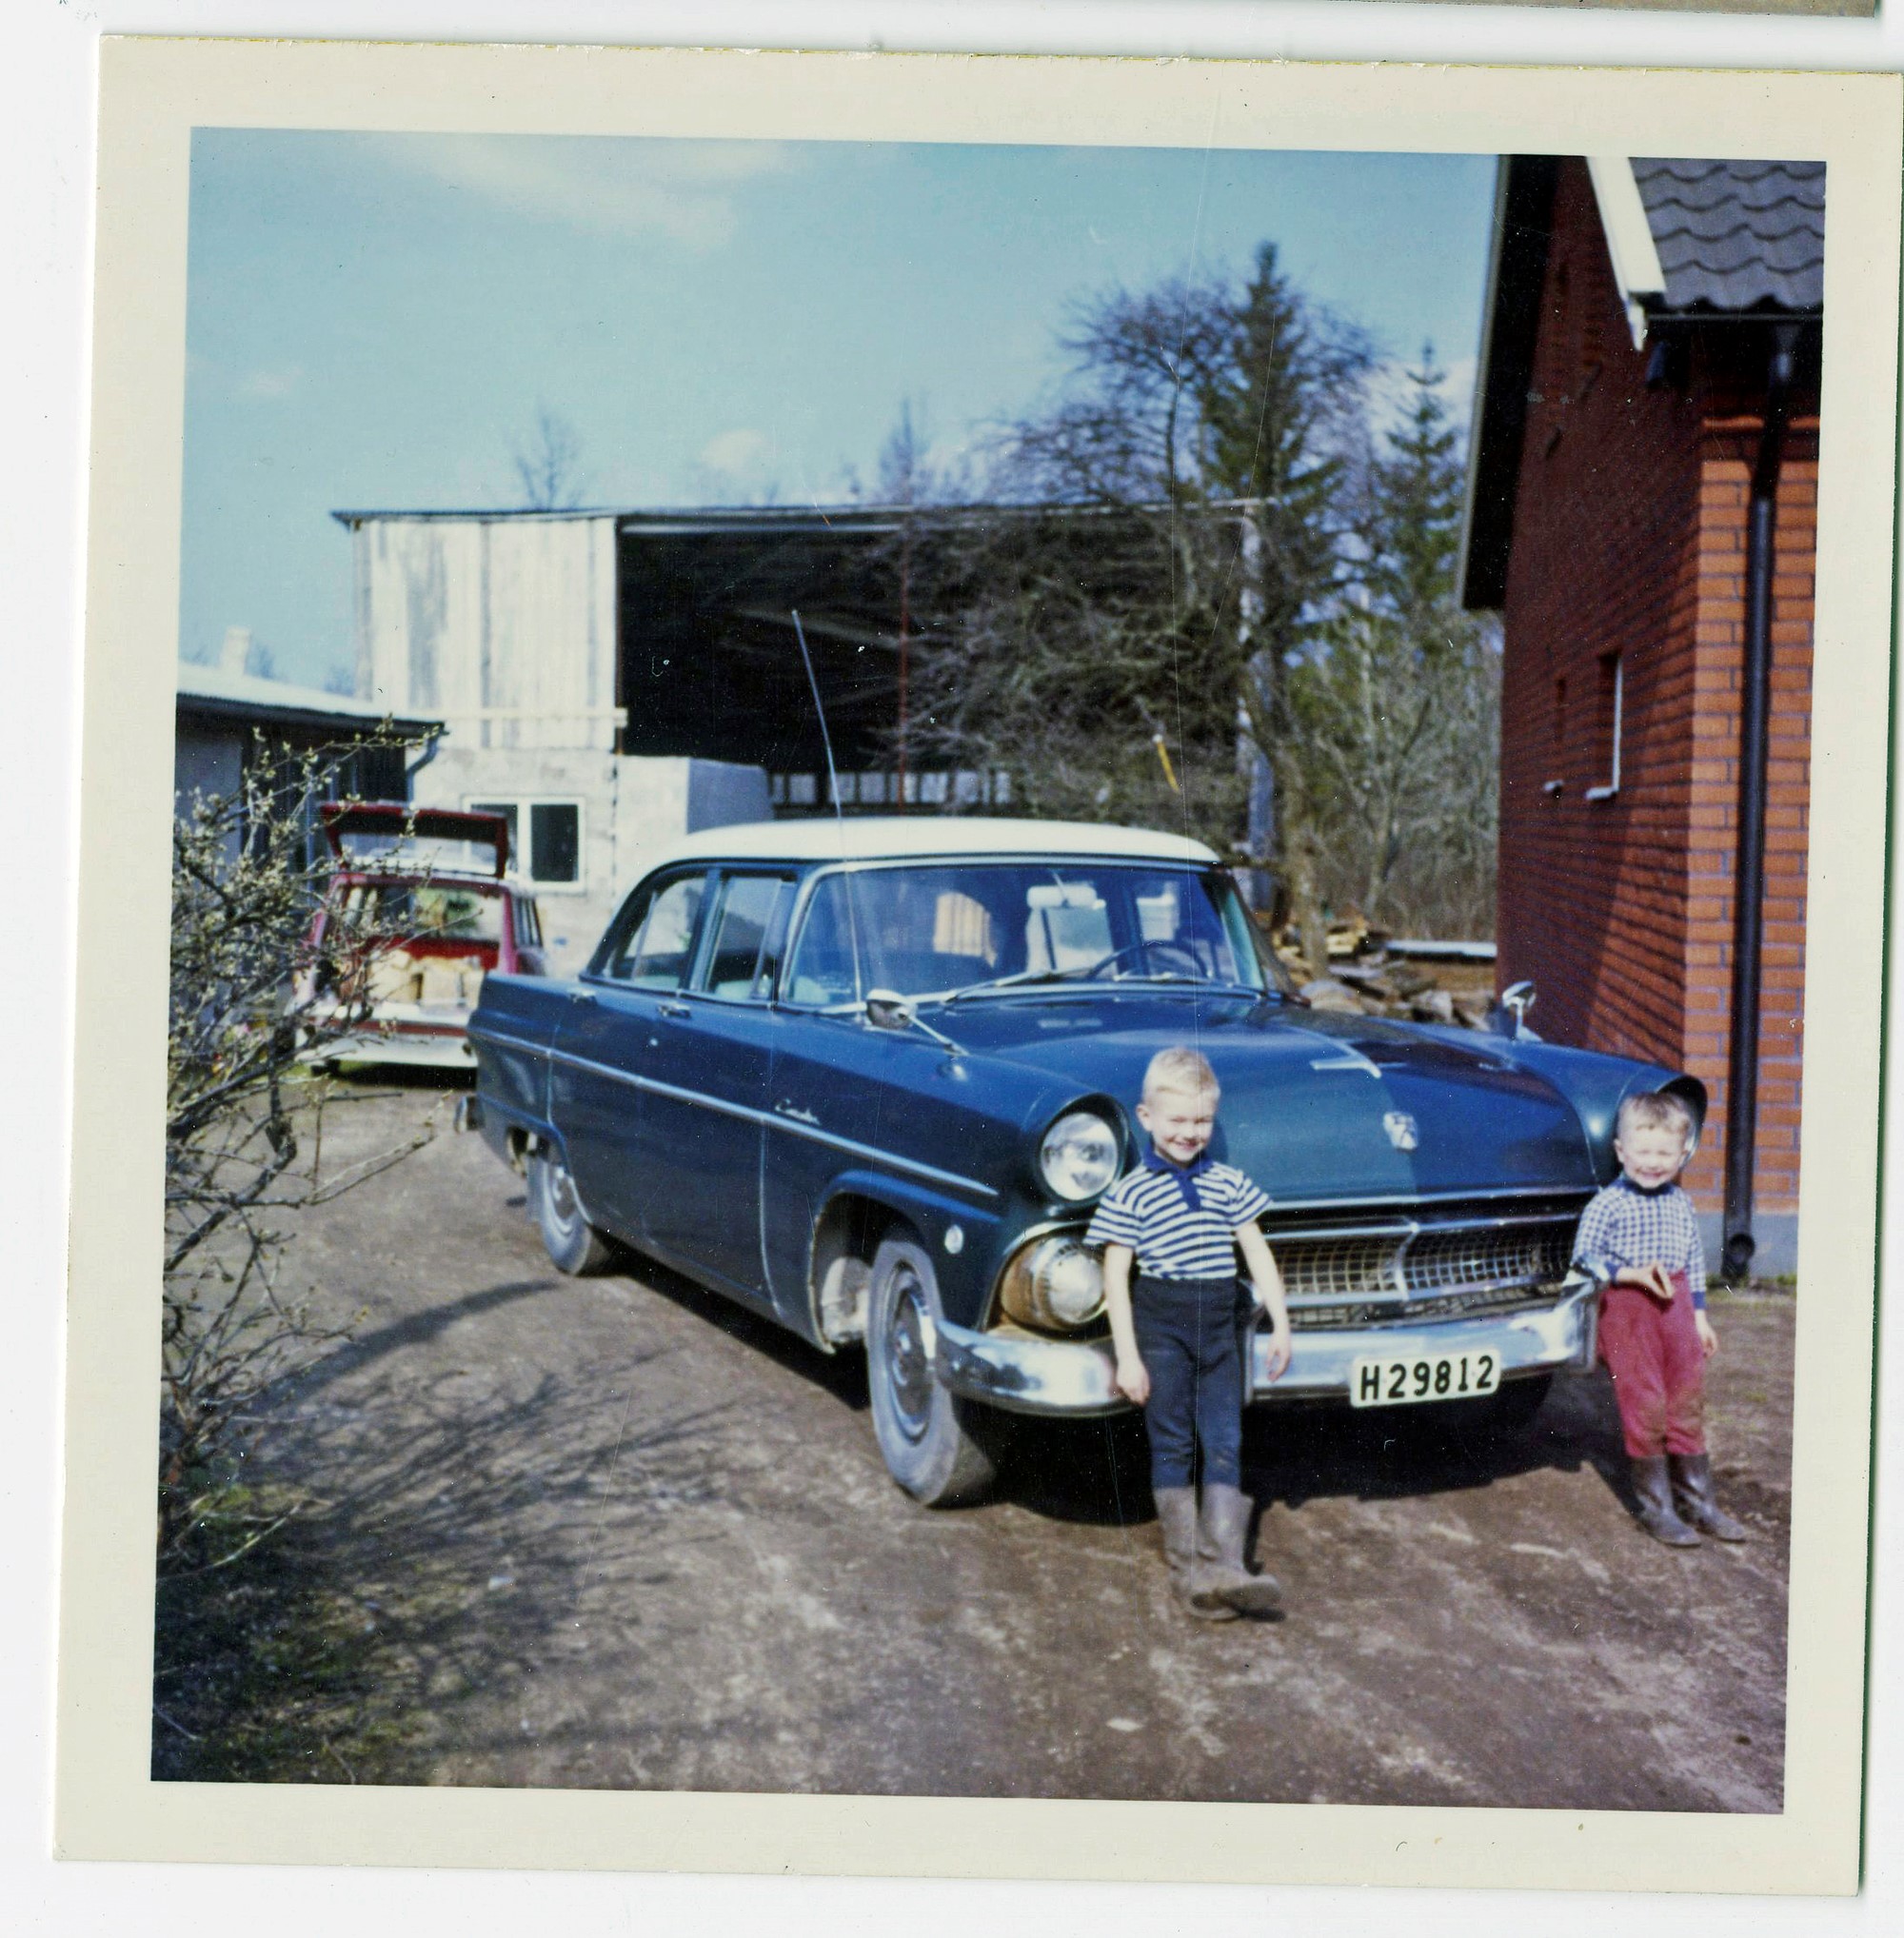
1642	513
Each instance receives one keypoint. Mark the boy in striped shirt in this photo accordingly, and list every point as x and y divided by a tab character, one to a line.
1181	1331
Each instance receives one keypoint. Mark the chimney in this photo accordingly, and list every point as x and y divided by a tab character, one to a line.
234	655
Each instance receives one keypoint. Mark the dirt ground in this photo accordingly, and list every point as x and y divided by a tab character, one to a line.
615	1532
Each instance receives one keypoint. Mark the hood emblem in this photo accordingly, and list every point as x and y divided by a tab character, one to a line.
1403	1131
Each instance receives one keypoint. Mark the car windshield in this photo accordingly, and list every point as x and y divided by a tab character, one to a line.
956	930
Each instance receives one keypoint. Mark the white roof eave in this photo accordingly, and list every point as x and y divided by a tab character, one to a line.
1629	238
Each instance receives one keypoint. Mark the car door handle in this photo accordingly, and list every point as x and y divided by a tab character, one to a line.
675	1009
582	996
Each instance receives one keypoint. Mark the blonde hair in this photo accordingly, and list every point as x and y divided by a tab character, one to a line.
1655	1110
1183	1069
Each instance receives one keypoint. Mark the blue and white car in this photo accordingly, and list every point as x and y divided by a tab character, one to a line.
869	1079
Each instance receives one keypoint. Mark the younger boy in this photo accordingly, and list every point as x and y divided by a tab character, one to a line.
1641	1238
1181	1331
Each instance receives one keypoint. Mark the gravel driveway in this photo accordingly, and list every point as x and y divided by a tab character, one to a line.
614	1532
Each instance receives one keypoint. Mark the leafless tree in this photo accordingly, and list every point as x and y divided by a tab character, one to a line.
1391	718
256	996
1168	534
1200	561
548	463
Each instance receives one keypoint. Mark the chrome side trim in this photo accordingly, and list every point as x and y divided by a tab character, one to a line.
777	1120
491	1035
929	1172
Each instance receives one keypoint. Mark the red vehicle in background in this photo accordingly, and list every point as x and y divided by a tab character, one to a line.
426	888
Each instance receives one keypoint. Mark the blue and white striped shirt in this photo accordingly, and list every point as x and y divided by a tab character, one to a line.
1147	1211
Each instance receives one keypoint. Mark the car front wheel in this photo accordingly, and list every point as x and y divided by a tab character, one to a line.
571	1241
925	1432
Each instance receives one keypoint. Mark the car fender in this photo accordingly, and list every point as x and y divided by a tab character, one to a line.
964	1240
1596	1084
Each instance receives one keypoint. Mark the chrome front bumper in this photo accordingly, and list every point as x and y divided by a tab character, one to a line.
1072	1377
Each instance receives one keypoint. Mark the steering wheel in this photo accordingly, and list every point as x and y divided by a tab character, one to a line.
1145	950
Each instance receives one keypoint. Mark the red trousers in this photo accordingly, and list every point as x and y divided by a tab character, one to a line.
1658	1370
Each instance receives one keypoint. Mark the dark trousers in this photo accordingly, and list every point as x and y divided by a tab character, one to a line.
1658	1370
1190	1337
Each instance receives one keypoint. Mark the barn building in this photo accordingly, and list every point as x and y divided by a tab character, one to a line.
1641	512
612	679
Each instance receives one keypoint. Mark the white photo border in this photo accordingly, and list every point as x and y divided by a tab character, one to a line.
154	93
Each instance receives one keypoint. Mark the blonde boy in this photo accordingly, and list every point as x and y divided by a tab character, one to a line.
1640	1238
1181	1329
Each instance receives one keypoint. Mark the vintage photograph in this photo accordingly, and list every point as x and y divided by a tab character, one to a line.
909	641
987	967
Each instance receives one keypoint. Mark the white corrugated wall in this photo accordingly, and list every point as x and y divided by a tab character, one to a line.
502	627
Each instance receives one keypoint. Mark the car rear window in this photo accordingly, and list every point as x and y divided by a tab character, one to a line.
455	912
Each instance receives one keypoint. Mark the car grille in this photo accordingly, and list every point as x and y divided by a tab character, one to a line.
1389	1273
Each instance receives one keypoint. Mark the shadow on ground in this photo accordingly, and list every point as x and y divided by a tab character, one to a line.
436	1563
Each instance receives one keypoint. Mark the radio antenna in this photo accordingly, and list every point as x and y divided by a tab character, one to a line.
825	739
838	806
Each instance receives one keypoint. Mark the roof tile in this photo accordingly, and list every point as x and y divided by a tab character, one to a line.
1735	236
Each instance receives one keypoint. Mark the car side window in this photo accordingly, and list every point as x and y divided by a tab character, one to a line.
823	969
744	924
656	947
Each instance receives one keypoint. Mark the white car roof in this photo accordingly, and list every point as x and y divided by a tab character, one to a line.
879	838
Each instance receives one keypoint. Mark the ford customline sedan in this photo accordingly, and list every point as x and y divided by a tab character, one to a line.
869	1079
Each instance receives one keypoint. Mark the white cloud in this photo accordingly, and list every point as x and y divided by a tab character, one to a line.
678	190
742	455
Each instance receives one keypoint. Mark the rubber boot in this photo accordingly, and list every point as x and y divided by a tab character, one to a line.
1177	1517
1656	1517
1224	1534
1691	1476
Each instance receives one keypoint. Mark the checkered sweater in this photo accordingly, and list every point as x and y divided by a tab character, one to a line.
1625	1225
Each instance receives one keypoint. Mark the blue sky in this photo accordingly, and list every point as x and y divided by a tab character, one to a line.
373	321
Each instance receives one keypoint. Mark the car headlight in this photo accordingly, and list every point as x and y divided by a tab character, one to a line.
1079	1157
1055	1285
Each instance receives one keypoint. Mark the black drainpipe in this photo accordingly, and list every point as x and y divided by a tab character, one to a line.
1749	871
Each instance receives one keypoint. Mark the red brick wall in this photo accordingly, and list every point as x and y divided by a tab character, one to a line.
1628	539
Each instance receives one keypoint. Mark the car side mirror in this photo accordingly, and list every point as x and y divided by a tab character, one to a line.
887	1010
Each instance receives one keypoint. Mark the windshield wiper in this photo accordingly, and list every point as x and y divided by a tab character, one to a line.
1027	978
1018	980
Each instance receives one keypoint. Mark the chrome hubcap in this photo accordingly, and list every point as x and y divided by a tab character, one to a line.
561	1193
908	1364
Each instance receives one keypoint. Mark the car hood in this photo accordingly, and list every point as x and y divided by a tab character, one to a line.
1315	1106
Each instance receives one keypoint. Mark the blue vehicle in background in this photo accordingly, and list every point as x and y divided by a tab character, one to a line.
870	1078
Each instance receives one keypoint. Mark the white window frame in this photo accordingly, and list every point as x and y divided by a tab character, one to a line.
519	851
1610	787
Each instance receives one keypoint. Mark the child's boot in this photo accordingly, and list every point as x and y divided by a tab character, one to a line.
1225	1529
1189	1578
1657	1515
1691	1476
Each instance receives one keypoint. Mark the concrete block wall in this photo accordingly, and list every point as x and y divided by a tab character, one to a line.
631	809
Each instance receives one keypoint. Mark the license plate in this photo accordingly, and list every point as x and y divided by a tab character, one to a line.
1423	1376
